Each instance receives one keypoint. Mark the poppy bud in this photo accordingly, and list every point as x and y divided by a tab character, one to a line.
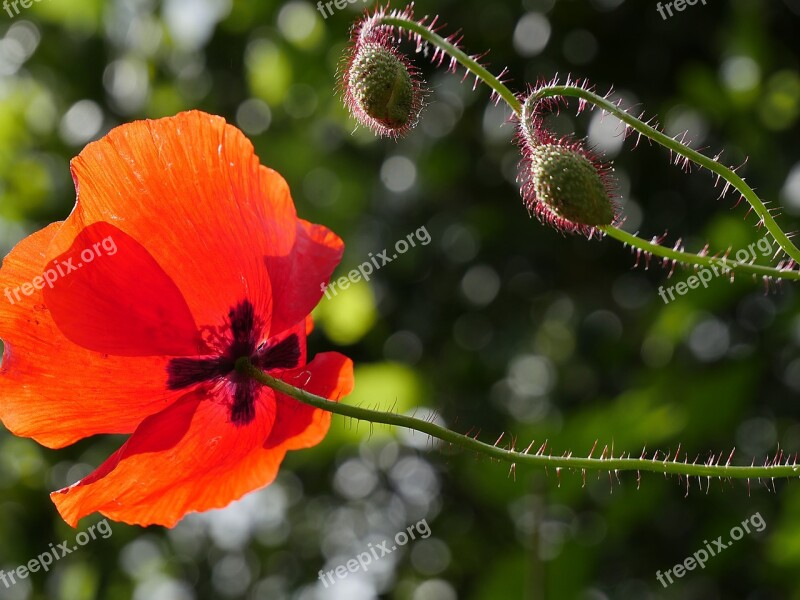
564	184
381	87
570	185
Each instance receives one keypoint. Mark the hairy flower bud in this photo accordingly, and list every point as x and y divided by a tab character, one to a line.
570	185
563	183
381	88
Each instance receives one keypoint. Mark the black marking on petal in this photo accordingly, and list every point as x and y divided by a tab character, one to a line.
283	355
243	410
183	372
240	337
243	329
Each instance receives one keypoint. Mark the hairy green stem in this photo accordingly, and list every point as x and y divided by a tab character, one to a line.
549	91
725	173
725	264
512	455
469	63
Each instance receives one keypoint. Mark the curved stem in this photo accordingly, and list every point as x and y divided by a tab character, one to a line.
538	459
469	63
726	173
730	176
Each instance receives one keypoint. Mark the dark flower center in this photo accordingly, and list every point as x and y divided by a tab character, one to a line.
240	339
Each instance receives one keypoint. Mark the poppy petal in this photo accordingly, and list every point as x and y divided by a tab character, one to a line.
191	189
299	280
270	358
309	324
51	389
189	457
107	294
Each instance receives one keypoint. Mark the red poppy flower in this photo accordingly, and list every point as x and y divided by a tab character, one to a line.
182	254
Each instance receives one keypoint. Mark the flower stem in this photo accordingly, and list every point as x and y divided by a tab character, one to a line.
401	21
513	456
469	63
726	173
726	265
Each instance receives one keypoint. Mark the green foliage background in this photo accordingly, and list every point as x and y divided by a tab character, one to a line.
499	324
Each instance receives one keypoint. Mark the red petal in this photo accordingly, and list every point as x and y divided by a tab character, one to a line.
50	388
187	458
191	190
299	280
191	458
309	324
106	293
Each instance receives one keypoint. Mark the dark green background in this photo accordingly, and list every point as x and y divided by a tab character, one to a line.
500	323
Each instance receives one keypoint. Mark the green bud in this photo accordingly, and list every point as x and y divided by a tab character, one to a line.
570	185
383	87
